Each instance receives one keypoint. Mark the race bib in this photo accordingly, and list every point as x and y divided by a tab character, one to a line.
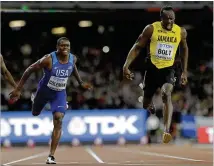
164	51
57	84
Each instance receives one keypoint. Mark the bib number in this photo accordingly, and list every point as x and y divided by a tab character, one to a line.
164	51
57	84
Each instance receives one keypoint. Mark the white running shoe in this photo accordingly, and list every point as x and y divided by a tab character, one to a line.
50	160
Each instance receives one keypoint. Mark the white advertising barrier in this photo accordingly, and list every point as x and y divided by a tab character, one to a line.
84	125
204	121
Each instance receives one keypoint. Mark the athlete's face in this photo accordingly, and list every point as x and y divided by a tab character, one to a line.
168	19
64	47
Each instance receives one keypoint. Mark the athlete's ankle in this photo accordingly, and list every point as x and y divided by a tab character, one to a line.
166	130
51	155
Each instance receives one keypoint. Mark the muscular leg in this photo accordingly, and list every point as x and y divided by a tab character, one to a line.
56	134
58	107
148	104
149	90
166	91
147	99
38	103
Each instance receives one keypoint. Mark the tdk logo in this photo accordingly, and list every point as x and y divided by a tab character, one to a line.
87	126
26	127
106	125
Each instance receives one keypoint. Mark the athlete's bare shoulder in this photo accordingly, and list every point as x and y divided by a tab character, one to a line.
1	59
183	38
144	36
75	58
44	62
45	59
183	32
148	30
2	64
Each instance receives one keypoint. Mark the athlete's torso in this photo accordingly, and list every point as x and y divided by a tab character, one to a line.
164	45
56	78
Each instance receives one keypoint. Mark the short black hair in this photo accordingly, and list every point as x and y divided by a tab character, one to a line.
167	8
60	39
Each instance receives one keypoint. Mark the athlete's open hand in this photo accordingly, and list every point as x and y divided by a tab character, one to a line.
86	86
15	94
184	78
128	74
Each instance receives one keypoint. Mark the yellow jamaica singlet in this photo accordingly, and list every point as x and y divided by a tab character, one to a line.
164	44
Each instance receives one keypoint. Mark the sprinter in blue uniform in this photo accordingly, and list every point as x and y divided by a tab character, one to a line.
57	67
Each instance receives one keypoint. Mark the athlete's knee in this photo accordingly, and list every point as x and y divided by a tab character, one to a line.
58	124
35	112
166	92
58	117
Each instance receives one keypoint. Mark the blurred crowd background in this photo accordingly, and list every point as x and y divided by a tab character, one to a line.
101	36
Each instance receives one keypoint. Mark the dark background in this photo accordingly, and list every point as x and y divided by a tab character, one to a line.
103	70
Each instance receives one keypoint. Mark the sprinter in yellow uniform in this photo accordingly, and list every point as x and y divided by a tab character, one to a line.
163	38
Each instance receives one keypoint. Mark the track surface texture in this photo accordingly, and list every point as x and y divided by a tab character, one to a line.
111	155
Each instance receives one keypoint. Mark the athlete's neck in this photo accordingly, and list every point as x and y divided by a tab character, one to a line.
62	58
165	27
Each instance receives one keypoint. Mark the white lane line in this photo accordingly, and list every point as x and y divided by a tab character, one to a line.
65	163
27	158
141	164
90	151
155	154
30	157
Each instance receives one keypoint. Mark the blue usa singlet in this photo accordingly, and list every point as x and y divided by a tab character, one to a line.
56	78
52	87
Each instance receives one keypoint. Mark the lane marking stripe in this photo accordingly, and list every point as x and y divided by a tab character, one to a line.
93	154
156	154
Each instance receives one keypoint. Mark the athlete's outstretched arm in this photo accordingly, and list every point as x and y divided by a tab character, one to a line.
6	74
76	73
44	62
83	84
184	46
139	44
40	64
185	54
